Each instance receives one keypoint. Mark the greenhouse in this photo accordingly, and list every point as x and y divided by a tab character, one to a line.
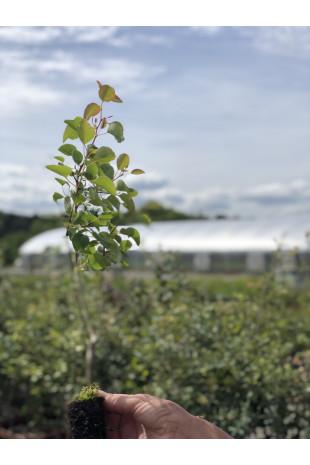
236	246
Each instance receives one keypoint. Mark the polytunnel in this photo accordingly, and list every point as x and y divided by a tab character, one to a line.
240	245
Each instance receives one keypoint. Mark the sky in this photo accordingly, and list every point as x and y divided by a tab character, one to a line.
217	117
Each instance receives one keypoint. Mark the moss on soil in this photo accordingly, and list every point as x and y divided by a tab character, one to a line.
86	415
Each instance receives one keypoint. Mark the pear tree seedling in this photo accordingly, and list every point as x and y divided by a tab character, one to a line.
92	189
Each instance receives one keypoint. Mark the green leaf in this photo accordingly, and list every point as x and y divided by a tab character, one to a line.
85	131
70	131
116	254
91	172
91	149
63	170
132	192
61	181
107	216
104	182
79	241
131	232
127	202
78	218
106	93
92	109
60	158
78	198
73	123
77	157
108	170
110	245
105	154
67	203
106	203
103	238
57	196
137	171
67	149
121	186
98	261
69	134
88	218
114	201
117	130
94	197
126	245
122	161
125	264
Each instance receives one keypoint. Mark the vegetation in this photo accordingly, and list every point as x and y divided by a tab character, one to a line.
92	189
236	352
88	392
15	230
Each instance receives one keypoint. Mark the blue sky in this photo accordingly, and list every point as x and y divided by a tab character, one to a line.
218	117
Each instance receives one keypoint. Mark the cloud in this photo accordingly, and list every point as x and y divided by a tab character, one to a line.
40	35
274	194
114	36
33	75
207	30
29	35
26	190
267	198
274	40
147	181
279	40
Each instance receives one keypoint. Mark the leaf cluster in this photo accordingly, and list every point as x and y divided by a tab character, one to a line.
93	192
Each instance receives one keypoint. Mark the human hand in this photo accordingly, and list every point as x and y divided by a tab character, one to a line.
142	416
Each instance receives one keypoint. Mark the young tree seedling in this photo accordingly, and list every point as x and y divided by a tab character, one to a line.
92	189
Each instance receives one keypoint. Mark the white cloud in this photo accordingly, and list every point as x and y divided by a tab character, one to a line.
146	181
115	36
32	75
26	190
207	30
29	35
39	35
275	40
279	40
267	198
126	75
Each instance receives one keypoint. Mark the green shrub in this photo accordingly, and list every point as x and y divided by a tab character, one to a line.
241	361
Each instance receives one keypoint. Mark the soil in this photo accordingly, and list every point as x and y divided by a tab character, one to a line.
87	419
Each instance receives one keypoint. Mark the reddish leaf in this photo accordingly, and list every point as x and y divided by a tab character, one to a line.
117	99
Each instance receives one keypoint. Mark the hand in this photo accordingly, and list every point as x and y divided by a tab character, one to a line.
142	416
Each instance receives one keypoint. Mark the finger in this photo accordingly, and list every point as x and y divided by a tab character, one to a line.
102	393
121	403
112	419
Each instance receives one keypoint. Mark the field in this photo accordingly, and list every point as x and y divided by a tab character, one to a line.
235	351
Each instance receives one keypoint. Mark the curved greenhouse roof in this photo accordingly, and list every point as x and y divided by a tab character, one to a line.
199	236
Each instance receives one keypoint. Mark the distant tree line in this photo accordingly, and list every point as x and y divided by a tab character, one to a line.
15	230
